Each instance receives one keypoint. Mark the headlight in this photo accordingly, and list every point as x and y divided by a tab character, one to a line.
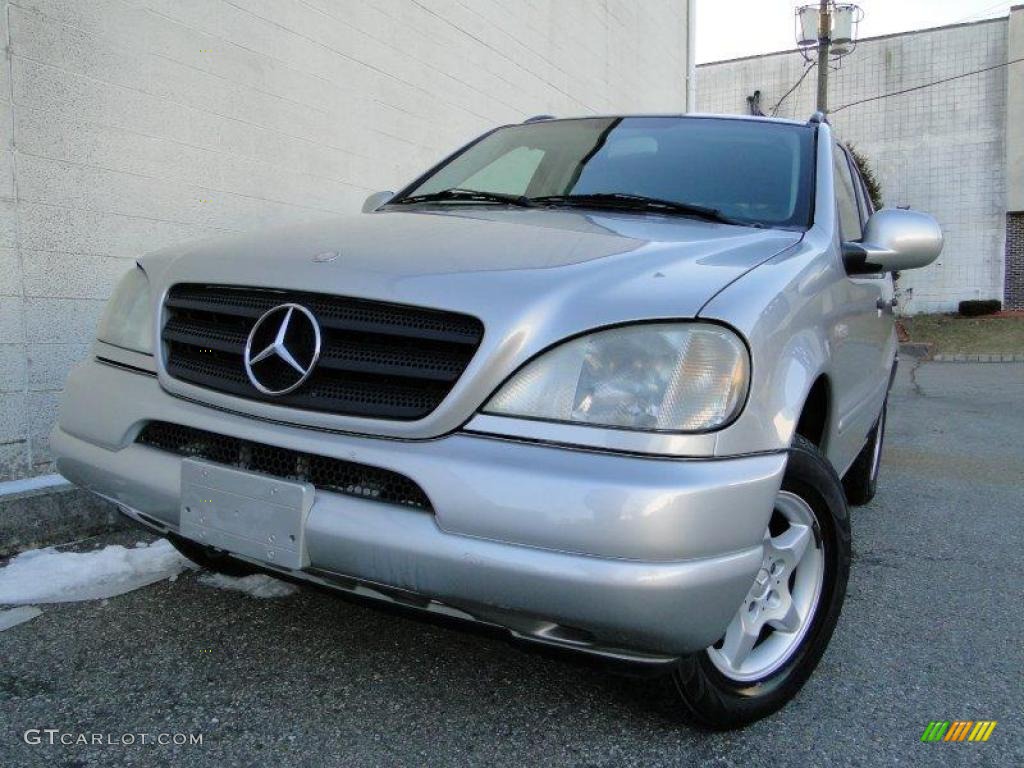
676	377
127	320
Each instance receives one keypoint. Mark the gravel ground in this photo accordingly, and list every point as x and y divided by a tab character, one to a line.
929	632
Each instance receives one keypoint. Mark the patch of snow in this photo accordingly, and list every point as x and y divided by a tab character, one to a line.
257	585
19	615
49	576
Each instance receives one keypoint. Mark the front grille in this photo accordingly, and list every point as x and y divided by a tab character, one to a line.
377	360
334	475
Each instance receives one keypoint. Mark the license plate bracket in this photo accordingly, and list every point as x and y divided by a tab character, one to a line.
246	513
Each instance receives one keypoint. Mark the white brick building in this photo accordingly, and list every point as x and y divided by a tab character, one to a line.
941	149
129	125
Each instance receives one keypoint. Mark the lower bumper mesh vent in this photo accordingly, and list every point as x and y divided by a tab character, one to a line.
334	475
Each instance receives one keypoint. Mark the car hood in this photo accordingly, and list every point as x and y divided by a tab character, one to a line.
533	276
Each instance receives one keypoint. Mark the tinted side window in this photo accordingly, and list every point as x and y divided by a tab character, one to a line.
869	207
846	197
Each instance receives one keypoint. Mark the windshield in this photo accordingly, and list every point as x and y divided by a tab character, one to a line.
752	172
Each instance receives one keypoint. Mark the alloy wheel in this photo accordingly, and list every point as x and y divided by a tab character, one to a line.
780	606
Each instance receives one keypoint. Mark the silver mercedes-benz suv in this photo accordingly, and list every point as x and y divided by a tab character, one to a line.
608	383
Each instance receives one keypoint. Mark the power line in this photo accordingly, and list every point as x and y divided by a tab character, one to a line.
992	8
925	85
807	69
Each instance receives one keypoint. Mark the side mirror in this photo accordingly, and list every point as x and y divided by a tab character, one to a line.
894	239
376	200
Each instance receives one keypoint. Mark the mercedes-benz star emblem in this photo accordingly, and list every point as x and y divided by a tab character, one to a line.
282	349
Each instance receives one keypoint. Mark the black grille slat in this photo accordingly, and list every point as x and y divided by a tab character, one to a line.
334	475
220	306
346	355
399	331
334	312
318	393
405	361
377	360
202	335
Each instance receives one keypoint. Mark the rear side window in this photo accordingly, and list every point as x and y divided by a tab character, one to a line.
846	197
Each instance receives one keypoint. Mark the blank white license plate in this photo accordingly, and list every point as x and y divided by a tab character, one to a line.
248	514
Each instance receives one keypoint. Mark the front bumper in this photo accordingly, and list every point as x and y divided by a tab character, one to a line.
595	551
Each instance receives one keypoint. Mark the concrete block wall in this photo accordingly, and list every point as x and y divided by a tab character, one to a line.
1015	111
940	149
129	125
1014	281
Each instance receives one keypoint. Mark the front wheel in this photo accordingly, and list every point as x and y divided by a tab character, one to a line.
784	624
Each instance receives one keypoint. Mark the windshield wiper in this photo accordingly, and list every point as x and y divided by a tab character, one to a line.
611	200
629	202
458	194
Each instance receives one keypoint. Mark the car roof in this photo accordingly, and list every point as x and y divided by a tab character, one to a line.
687	116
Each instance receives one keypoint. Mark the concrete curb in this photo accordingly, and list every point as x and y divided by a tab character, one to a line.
978	358
918	351
923	351
40	512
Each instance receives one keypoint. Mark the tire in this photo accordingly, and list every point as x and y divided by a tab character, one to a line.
717	696
861	480
211	559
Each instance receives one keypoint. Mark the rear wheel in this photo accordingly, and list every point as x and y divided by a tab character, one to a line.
861	481
211	559
784	624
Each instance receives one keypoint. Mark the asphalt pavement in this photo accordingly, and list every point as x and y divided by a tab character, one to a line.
931	630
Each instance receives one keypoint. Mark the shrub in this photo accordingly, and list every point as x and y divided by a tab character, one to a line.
978	307
870	180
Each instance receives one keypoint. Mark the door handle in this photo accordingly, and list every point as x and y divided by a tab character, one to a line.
886	305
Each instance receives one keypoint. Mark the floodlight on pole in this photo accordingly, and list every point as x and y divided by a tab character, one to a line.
825	32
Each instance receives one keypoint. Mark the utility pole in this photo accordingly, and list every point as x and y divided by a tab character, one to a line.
824	42
830	27
691	66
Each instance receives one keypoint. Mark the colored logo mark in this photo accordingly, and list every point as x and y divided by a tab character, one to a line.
958	730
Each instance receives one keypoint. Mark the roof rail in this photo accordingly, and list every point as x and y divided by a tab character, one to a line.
539	118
